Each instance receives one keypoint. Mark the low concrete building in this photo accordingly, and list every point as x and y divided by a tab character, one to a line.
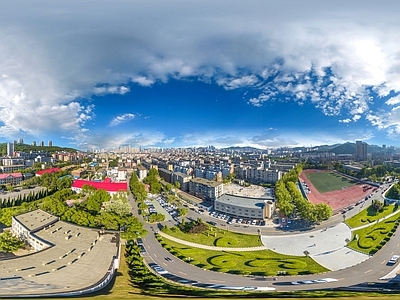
66	260
244	207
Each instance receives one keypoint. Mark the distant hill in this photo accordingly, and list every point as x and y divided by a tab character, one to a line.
346	148
29	148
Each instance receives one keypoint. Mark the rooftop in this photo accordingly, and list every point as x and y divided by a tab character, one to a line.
206	182
252	203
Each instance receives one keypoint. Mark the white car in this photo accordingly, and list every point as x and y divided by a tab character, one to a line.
329	279
325	280
303	282
393	259
160	270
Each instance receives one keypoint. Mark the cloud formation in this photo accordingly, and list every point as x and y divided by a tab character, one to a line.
58	55
121	118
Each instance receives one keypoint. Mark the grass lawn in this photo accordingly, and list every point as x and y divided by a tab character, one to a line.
369	215
261	263
329	181
372	238
216	237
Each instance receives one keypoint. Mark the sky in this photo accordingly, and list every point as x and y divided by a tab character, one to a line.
279	73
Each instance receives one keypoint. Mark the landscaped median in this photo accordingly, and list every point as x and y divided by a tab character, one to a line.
372	238
213	236
370	215
224	251
373	227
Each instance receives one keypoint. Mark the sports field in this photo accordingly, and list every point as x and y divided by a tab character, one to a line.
329	181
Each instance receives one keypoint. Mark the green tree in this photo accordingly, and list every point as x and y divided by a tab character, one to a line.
10	243
182	211
118	207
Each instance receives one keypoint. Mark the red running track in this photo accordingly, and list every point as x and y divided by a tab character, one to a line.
338	199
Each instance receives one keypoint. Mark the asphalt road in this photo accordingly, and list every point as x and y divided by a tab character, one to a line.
369	271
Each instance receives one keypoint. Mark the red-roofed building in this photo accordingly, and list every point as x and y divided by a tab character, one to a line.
110	187
10	178
52	170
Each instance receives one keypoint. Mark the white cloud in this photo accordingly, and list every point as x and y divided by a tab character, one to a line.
393	101
143	81
121	118
110	140
234	83
332	55
345	120
104	90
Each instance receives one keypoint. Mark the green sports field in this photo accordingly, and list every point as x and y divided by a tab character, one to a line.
328	181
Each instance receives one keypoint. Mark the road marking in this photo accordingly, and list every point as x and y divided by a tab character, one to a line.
221	281
182	273
392	252
155	255
383	262
165	264
367	271
341	278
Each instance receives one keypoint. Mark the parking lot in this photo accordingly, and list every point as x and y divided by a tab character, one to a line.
157	204
234	220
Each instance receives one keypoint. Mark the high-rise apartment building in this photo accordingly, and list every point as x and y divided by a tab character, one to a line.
20	141
10	149
50	144
33	143
361	150
41	144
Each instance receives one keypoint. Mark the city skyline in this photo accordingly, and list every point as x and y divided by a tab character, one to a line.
266	75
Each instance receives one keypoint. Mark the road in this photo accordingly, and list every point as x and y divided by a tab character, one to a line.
369	271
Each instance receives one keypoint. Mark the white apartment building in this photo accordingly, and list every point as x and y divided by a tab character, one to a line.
206	189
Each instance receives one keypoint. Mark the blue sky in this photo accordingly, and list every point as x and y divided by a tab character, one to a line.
102	74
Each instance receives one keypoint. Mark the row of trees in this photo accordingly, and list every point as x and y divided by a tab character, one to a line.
373	173
290	201
153	180
32	196
137	188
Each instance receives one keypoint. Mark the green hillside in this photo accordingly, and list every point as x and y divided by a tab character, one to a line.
28	148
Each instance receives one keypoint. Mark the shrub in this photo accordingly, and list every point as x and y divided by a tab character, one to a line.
292	273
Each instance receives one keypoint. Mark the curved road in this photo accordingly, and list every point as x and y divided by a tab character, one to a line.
369	271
